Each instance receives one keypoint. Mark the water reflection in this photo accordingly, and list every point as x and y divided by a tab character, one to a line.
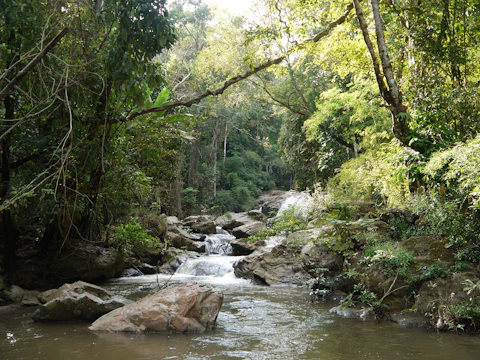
255	323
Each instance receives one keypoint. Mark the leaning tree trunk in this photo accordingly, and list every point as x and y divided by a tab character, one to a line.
390	90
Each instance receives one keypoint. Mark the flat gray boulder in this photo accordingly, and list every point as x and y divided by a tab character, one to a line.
249	229
267	268
180	242
233	220
292	262
78	301
182	309
204	227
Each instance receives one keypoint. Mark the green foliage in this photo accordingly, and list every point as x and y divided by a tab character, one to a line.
447	219
393	260
133	239
379	175
430	272
457	171
285	224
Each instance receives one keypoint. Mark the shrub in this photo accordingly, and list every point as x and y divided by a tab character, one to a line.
133	238
380	175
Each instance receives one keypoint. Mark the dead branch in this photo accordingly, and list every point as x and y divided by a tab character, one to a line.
32	63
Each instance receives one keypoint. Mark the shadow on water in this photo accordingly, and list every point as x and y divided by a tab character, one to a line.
255	323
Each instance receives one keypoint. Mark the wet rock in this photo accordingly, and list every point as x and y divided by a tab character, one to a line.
436	296
230	221
317	255
408	318
78	301
204	227
131	272
46	296
268	267
181	242
3	284
173	258
269	203
15	293
257	215
31	299
182	232
249	229
352	312
147	269
191	220
429	249
89	263
183	309
244	247
292	262
173	221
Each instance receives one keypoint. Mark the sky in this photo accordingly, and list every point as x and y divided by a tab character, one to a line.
235	7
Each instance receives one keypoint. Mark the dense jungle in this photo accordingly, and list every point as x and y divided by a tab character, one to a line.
128	127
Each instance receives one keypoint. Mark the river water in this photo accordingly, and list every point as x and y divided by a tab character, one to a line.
256	322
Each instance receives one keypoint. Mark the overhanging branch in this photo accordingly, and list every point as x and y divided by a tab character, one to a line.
32	63
247	74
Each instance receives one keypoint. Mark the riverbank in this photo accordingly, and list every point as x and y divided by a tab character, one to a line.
380	263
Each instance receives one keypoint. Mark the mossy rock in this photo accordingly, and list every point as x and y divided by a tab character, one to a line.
429	249
443	292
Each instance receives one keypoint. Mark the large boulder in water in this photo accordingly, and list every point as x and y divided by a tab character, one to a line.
181	242
263	267
204	227
183	309
244	247
78	301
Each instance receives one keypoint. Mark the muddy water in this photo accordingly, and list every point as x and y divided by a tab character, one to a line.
255	323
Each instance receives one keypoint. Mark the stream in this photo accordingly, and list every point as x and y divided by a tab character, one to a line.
256	322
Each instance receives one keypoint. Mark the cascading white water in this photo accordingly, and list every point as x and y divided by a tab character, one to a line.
299	202
218	244
213	265
216	262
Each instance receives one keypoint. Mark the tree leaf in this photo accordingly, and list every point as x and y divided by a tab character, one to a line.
162	97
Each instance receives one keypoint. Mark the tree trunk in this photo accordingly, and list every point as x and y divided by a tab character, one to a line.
10	232
389	91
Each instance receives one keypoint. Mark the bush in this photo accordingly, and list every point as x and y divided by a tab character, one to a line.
133	239
380	175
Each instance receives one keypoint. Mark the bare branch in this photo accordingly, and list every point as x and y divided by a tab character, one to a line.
32	63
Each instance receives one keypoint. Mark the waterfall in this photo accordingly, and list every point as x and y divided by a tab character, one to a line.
299	201
218	244
213	265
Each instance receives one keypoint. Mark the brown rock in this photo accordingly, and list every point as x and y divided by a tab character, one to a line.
78	301
183	309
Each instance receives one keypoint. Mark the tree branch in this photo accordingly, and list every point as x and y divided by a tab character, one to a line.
280	102
247	74
376	64
32	63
